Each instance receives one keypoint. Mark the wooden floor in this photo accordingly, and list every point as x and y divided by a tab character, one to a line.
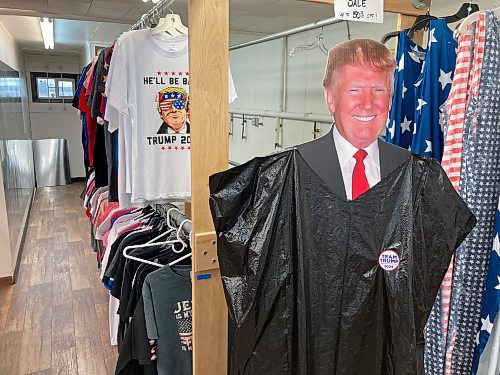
54	320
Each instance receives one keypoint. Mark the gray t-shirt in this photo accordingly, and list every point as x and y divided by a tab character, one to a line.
169	316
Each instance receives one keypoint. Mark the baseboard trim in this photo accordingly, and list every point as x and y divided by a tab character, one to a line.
78	179
7	280
20	245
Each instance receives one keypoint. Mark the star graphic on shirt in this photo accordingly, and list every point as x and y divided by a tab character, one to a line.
189	147
173	73
163	147
169	147
106	65
486	324
404	90
421	103
158	73
442	119
180	73
429	146
432	38
401	64
498	286
416	84
105	79
176	147
166	73
392	129
444	78
182	148
496	244
477	337
187	73
405	125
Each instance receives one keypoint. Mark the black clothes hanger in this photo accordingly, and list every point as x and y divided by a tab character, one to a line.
420	23
423	20
389	36
465	10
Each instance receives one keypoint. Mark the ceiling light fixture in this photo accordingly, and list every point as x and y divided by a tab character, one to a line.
47	26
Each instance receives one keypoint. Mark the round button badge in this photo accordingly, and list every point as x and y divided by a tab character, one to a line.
388	260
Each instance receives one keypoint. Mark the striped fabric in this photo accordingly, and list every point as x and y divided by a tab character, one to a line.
440	342
466	81
467	88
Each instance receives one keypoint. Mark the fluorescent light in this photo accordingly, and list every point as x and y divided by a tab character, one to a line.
47	26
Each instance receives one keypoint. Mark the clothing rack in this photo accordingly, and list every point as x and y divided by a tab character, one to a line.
175	216
158	9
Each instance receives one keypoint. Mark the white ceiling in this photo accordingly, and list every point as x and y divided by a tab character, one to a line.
101	21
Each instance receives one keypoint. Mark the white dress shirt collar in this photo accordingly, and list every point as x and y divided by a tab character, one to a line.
346	151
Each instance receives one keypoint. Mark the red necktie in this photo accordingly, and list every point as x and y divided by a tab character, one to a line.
359	180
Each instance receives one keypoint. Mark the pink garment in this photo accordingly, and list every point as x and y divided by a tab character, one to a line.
111	206
107	223
104	210
90	72
101	208
111	233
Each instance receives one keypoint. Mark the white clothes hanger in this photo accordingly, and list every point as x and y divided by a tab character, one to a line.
170	24
150	244
317	44
474	17
171	228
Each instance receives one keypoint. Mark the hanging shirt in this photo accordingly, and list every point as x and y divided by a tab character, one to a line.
409	59
160	164
320	285
432	89
169	318
152	94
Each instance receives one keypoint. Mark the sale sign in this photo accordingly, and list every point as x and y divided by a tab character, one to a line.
360	10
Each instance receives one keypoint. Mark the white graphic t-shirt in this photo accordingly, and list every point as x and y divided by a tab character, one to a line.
149	93
148	100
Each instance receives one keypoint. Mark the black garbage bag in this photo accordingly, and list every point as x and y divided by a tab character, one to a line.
320	285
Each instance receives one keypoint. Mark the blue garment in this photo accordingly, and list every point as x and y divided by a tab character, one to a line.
432	89
409	59
491	297
422	83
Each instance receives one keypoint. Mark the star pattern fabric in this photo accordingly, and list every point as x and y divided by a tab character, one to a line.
491	298
450	342
479	186
409	58
435	84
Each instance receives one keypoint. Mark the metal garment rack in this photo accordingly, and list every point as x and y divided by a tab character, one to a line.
158	9
296	30
176	217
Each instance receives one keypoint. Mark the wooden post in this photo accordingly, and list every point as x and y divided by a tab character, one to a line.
209	108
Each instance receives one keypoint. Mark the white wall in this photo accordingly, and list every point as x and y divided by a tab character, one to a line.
57	120
257	73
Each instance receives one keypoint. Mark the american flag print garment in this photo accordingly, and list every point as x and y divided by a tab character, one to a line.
409	59
465	83
480	181
432	88
491	301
